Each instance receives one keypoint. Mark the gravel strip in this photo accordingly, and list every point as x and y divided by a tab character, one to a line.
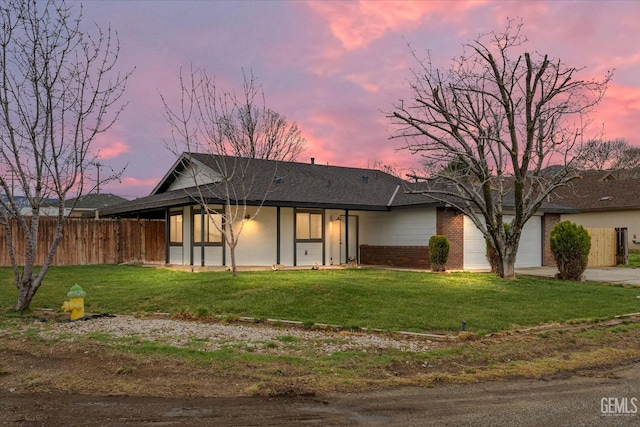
215	336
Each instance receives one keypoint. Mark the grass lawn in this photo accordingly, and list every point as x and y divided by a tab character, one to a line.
634	259
384	299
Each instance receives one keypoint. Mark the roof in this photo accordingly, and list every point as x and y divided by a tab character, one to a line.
95	201
600	191
289	184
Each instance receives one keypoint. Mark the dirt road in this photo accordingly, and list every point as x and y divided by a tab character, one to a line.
565	400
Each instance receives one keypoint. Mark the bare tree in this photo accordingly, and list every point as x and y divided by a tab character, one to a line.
57	92
617	156
233	130
502	116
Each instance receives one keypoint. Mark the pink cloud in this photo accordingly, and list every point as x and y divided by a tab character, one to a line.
113	149
356	24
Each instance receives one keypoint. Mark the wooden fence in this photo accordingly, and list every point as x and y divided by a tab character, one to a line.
603	247
91	241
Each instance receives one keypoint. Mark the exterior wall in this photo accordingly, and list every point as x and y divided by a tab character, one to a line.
398	238
186	178
410	227
258	241
548	222
286	236
309	253
396	256
629	219
450	223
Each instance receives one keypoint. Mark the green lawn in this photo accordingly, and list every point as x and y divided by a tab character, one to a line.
634	259
390	300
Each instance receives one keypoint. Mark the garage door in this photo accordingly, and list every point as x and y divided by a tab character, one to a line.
529	252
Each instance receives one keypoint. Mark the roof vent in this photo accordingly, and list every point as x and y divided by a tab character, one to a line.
605	198
365	179
278	179
313	160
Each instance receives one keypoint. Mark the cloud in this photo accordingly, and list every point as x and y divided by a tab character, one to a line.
111	149
357	24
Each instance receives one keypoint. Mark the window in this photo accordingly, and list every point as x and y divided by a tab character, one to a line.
207	227
175	229
308	226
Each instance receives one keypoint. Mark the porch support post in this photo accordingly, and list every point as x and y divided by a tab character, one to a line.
295	240
346	236
278	235
167	243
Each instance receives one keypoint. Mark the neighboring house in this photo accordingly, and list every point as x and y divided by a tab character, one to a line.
89	205
605	200
86	206
317	214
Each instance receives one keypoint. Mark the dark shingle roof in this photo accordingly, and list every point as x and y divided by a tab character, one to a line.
287	184
95	201
600	191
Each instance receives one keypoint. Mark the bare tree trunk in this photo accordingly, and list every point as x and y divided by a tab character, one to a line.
56	96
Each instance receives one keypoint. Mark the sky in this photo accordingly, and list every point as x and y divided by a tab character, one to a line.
336	67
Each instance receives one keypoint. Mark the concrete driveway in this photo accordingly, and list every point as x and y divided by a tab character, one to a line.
629	276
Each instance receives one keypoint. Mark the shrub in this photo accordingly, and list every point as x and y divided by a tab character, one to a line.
570	245
438	252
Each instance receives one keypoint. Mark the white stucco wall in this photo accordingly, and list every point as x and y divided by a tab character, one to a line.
610	219
286	236
257	242
411	227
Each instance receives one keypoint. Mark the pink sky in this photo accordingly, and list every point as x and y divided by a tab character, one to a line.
336	67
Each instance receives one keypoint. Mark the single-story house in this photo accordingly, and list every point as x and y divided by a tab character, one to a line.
606	199
303	214
88	205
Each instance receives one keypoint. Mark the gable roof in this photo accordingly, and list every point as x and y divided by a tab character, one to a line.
600	191
289	184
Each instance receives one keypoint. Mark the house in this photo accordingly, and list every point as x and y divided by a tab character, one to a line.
88	205
316	214
605	199
84	206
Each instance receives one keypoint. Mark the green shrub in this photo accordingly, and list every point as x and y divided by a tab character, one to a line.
570	245
438	252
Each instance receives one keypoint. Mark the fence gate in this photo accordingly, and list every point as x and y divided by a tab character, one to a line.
622	246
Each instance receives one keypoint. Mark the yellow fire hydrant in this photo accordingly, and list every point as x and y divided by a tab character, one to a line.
76	303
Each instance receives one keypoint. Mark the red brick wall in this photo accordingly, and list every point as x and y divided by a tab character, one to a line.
548	221
450	223
396	256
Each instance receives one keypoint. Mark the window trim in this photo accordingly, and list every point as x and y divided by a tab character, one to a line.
181	231
310	239
203	214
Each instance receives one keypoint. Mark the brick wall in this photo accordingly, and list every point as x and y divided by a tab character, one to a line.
396	256
548	222
450	223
